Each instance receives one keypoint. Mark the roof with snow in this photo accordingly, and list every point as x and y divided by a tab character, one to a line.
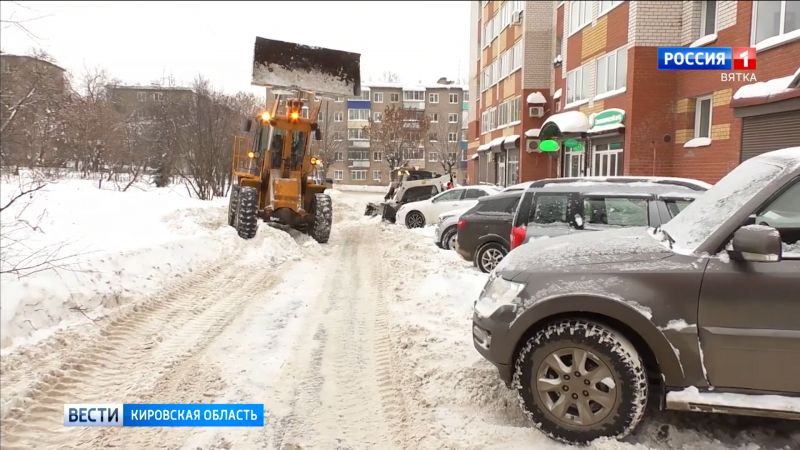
532	133
768	91
536	98
149	87
32	58
557	94
565	122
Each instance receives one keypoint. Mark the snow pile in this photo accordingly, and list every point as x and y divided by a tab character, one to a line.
768	402
115	248
777	40
697	142
705	40
764	88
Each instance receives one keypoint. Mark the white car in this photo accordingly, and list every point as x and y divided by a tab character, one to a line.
418	214
444	235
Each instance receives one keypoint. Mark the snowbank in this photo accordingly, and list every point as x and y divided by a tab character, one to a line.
118	247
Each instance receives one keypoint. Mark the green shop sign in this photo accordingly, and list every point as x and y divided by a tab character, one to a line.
548	145
611	116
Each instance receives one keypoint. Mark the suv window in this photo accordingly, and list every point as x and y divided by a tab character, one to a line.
549	208
418	193
450	196
616	211
472	194
506	205
674	206
783	214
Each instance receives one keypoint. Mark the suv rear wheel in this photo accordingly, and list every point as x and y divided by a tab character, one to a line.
489	256
578	380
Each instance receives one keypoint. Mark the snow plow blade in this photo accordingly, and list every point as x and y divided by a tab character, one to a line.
290	66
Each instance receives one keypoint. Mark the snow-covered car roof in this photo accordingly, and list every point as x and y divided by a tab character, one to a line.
642	189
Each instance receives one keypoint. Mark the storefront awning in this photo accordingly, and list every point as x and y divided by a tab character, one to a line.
769	91
497	144
511	142
557	94
483	148
570	122
475	156
532	133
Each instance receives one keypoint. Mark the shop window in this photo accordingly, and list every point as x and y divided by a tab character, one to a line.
607	160
513	167
573	164
702	117
774	18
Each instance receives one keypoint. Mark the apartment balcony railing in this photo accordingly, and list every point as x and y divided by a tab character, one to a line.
359	164
360	143
418	105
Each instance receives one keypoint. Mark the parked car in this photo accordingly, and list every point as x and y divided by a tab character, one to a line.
408	186
445	232
565	208
418	214
701	313
484	230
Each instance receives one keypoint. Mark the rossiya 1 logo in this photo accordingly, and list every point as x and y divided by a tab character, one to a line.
740	62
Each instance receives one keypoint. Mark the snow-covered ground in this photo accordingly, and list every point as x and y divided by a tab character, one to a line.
361	343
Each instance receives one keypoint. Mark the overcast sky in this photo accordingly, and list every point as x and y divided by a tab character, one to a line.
138	42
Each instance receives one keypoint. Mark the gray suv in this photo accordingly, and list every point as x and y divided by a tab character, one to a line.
700	314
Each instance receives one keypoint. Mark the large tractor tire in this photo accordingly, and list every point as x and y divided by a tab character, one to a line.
322	210
246	220
233	205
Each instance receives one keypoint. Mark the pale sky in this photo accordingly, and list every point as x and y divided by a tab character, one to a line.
139	42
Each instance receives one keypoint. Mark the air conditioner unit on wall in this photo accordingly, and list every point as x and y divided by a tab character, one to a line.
532	145
535	111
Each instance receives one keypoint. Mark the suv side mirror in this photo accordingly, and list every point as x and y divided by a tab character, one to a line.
758	243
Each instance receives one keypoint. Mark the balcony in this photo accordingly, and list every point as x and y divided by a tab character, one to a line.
359	164
360	143
417	105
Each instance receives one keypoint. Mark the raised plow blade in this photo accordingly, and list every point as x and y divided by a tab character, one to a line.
289	66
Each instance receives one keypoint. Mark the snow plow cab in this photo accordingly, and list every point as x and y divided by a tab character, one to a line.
272	167
410	185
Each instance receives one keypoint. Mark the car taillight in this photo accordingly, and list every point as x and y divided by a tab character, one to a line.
517	236
461	224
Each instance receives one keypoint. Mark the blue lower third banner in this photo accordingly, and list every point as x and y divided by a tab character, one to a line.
164	415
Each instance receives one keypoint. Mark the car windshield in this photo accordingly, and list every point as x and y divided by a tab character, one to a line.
698	221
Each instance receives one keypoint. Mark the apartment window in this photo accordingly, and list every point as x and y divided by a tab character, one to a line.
463	135
358	175
358	155
338	175
774	18
605	5
364	95
579	15
433	98
394	97
435	117
577	85
452	137
158	96
338	99
515	108
702	117
338	116
378	97
433	137
611	71
414	95
377	156
337	136
5	67
516	57
708	17
141	96
357	134
452	118
414	153
357	114
376	175
304	112
502	114
338	156
433	157
453	98
377	116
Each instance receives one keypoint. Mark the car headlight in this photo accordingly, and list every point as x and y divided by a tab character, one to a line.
498	292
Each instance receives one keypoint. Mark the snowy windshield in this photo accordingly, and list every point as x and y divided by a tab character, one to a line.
692	226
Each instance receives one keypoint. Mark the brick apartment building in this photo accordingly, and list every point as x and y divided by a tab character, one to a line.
32	91
357	163
614	113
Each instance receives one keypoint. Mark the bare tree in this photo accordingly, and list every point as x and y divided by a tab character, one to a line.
443	139
398	134
390	77
332	141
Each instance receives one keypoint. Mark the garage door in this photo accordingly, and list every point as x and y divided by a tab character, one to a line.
769	132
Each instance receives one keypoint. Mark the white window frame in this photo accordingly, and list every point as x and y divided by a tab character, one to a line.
357	114
157	96
377	156
703	12
433	137
613	56
452	136
601	12
338	99
338	116
453	95
337	136
609	154
781	24
452	118
361	172
338	156
394	97
433	98
514	112
433	156
697	115
377	97
585	95
338	175
414	96
360	134
586	9
140	96
376	175
377	116
434	117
